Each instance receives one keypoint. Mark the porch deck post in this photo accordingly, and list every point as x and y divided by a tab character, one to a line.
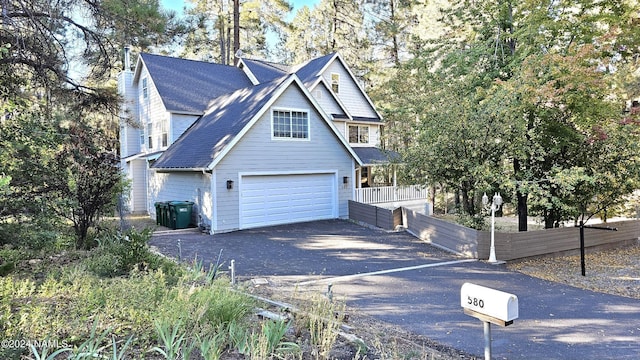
395	184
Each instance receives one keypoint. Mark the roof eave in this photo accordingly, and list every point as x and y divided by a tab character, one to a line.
168	170
183	112
242	65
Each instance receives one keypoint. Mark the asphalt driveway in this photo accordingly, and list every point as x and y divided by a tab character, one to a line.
401	280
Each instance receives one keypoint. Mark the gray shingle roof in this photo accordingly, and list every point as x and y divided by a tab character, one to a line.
375	156
188	86
310	71
222	122
266	71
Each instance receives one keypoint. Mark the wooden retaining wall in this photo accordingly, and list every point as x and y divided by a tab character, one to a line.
511	246
380	217
443	234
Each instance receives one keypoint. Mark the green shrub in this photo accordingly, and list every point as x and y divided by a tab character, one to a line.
104	264
10	257
118	254
76	300
37	233
476	222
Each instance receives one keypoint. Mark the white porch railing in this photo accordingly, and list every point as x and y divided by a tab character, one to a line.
373	195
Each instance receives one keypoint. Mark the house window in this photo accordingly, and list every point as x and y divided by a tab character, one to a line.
141	133
290	124
165	133
145	88
150	136
358	134
335	82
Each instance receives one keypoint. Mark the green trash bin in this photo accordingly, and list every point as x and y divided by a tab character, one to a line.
180	214
158	215
164	214
160	206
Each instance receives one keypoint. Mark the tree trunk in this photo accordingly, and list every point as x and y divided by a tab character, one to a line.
334	25
467	201
522	200
236	30
222	39
396	51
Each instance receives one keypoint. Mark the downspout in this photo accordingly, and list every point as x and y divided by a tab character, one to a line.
214	204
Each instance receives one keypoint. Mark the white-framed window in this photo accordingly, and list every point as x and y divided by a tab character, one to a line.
335	82
358	134
149	136
141	128
164	131
145	88
290	124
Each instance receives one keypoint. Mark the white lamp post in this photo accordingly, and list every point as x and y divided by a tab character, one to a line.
495	205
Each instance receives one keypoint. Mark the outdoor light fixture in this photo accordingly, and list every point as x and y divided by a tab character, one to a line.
229	184
495	205
345	180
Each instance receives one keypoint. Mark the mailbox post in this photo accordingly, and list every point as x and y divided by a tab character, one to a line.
491	307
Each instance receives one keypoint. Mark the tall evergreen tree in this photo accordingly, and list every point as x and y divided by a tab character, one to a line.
331	26
212	25
57	155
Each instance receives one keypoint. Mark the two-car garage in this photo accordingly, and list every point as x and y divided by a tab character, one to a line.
272	199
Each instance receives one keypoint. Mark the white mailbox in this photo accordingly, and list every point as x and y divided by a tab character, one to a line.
486	304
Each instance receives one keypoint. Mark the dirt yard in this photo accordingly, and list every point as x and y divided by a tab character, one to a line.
613	271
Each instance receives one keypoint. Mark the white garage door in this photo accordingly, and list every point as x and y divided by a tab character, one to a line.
281	199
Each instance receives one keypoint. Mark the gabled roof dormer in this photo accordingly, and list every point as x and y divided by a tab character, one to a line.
317	74
320	70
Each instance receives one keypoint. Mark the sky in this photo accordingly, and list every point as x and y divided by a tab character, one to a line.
177	5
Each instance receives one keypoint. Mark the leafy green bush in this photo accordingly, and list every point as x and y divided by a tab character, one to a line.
104	264
471	221
38	233
119	253
117	291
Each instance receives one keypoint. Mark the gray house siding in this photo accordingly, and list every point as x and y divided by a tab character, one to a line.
182	186
129	135
349	92
257	152
151	111
179	124
326	100
137	174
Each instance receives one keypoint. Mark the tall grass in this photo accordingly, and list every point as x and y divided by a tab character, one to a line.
88	309
92	306
323	320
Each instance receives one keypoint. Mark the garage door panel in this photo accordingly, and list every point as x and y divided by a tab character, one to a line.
279	199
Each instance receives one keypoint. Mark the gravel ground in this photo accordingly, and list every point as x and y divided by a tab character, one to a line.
612	271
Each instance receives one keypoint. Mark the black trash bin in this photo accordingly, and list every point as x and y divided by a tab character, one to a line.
180	214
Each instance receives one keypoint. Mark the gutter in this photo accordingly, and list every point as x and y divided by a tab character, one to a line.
170	170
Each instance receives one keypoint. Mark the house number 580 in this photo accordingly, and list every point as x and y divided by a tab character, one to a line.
475	302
